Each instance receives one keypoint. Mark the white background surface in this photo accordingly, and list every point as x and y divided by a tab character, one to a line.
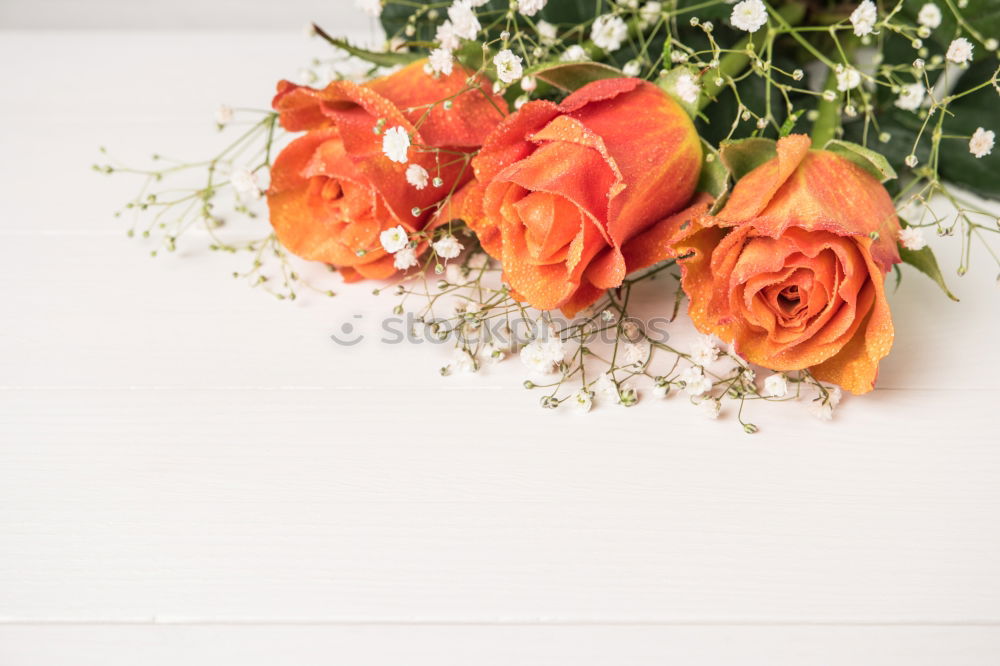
192	473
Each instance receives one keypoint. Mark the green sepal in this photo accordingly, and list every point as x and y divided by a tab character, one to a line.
874	163
714	177
570	76
668	84
742	156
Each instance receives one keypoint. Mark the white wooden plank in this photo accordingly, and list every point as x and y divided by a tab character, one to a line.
296	505
498	646
89	307
230	15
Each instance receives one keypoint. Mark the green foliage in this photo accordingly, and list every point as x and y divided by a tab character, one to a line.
925	262
744	155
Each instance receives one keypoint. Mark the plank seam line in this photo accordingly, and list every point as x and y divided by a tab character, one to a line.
252	622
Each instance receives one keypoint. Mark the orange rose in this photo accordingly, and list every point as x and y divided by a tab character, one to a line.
792	269
334	190
564	190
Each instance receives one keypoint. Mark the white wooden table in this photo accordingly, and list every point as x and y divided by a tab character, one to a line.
192	473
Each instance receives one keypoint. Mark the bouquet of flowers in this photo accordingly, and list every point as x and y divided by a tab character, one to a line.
523	166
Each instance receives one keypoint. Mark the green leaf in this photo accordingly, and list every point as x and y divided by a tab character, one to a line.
744	155
978	109
925	262
874	163
570	76
374	57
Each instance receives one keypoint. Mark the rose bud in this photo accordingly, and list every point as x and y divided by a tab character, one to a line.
571	197
792	269
335	189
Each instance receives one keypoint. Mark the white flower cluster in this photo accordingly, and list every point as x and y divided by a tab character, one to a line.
749	15
508	66
396	241
396	144
863	18
543	356
609	32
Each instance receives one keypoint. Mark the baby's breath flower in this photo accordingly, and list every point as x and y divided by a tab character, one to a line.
687	88
417	176
704	351
582	401
447	247
245	182
393	240
749	15
959	51
575	53
798	75
609	31
446	36
371	7
542	356
463	19
661	390
911	96
650	12
710	408
632	68
223	115
822	407
492	354
678	57
396	144
529	83
405	258
776	386
462	361
695	381
530	7
981	143
912	238
605	387
929	16
635	353
547	32
520	101
991	44
911	160
848	78
864	17
508	66
441	61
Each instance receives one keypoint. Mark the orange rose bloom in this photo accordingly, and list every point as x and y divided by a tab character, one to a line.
563	190
792	269
333	190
